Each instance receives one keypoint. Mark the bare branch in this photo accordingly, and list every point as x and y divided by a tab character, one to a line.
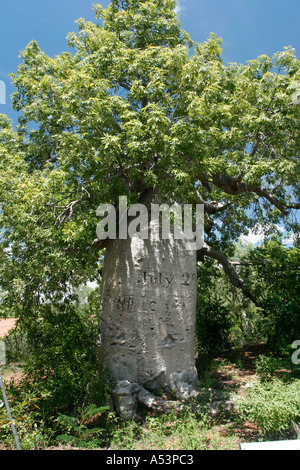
69	209
235	185
52	159
228	268
295	206
242	263
259	138
211	207
124	84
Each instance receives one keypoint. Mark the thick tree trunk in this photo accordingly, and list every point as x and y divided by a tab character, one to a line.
147	319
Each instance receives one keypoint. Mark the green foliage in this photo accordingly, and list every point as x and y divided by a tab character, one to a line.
277	268
273	401
186	430
63	360
224	318
25	400
272	405
213	327
268	367
135	105
77	432
58	352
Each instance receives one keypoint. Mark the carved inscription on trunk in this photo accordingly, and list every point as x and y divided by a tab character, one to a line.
147	315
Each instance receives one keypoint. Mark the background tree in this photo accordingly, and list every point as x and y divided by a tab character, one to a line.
277	268
139	106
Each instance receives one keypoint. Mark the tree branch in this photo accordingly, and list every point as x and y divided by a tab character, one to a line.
259	138
234	185
69	209
98	244
228	268
211	207
124	84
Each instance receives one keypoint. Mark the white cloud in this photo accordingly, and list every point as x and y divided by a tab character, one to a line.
254	236
289	239
92	284
179	8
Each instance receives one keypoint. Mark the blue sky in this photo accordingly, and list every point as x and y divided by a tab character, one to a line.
248	28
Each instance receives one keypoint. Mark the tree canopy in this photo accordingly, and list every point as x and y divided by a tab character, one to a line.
137	104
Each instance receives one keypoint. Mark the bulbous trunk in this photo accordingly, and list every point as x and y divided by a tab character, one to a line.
147	317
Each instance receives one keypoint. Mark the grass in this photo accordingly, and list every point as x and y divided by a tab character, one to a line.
243	397
184	431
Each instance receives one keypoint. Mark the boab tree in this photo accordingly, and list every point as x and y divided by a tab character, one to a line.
140	110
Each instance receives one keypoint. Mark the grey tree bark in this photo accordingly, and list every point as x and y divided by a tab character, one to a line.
147	320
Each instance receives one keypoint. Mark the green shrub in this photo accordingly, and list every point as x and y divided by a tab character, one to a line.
273	405
63	359
277	269
213	323
29	420
76	429
185	430
266	366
